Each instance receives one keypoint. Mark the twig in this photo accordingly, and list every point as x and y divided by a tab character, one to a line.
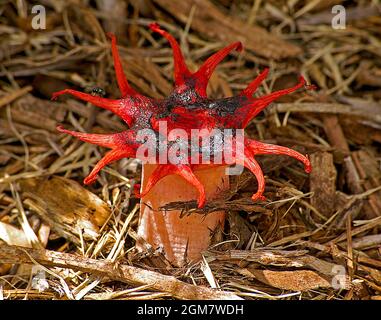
121	272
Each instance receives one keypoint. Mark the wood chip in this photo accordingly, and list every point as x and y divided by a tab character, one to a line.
66	206
302	280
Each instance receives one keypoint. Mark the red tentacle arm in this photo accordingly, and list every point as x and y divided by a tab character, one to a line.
202	76
266	100
255	105
114	140
253	86
204	73
124	108
183	171
111	156
264	148
123	145
124	87
246	159
181	72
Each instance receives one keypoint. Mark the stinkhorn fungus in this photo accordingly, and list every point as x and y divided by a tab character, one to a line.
169	136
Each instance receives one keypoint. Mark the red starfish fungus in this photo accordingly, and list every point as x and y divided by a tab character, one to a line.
186	109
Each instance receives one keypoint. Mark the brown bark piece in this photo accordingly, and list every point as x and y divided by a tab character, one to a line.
335	133
337	138
298	280
66	206
323	182
116	10
370	176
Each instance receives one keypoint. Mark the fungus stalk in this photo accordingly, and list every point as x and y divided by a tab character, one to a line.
185	176
182	237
